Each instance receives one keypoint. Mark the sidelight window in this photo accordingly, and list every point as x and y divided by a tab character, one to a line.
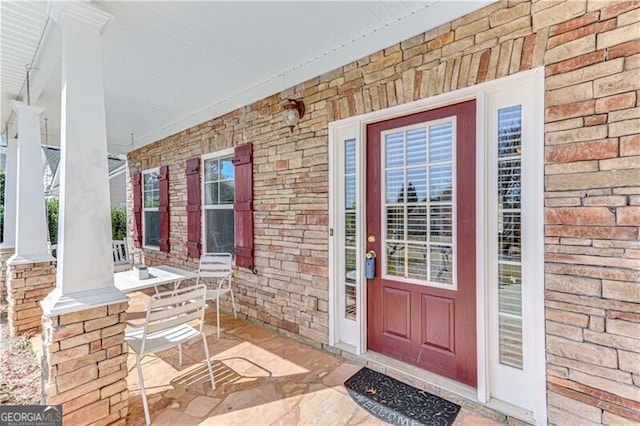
509	236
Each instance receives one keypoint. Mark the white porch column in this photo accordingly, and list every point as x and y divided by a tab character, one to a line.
85	300
85	262
31	218
31	270
7	248
10	181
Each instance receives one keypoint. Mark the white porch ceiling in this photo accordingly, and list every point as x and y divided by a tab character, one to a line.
171	65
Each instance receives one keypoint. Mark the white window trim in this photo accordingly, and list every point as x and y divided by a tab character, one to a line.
229	152
150	209
357	126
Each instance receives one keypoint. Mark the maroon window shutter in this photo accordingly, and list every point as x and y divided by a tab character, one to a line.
193	208
163	208
243	205
137	209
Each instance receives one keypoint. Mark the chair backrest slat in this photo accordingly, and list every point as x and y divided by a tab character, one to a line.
175	298
173	311
215	265
175	307
172	321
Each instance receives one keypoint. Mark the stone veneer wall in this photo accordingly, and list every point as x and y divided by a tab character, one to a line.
5	254
86	365
591	54
27	285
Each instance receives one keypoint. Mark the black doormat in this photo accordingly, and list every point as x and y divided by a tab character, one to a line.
398	403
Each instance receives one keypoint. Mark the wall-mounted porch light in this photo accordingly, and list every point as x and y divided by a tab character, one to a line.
293	112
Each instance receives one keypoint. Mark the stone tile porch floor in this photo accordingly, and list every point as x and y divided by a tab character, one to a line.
262	378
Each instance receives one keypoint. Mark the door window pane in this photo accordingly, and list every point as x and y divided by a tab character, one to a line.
419	212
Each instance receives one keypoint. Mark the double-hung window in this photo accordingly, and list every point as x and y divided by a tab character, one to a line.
151	202
218	198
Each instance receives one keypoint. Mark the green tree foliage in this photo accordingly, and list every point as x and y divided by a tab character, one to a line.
118	223
118	217
52	220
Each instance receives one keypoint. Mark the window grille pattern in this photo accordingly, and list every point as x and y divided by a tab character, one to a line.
418	207
219	189
151	201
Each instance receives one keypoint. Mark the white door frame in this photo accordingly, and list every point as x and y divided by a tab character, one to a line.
484	95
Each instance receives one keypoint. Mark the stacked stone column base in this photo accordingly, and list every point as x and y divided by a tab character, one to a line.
27	285
85	365
5	254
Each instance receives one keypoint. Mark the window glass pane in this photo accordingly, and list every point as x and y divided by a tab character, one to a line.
151	199
441	258
350	192
395	259
350	157
150	181
440	146
350	228
417	223
441	179
151	228
219	230
219	183
417	261
394	146
211	193
211	170
395	186
151	192
350	283
227	172
350	290
509	236
440	224
395	223
226	192
417	146
417	185
509	129
510	314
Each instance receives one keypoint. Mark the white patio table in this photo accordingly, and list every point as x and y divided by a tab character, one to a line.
128	281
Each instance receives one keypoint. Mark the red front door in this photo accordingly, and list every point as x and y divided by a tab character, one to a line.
421	305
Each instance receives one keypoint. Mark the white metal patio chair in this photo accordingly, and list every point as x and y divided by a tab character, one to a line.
218	266
167	325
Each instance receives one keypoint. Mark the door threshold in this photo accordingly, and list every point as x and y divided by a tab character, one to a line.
443	386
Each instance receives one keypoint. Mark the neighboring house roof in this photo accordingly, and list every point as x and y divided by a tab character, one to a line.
51	164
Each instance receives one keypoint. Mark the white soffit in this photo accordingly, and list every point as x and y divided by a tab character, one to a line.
21	28
172	65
